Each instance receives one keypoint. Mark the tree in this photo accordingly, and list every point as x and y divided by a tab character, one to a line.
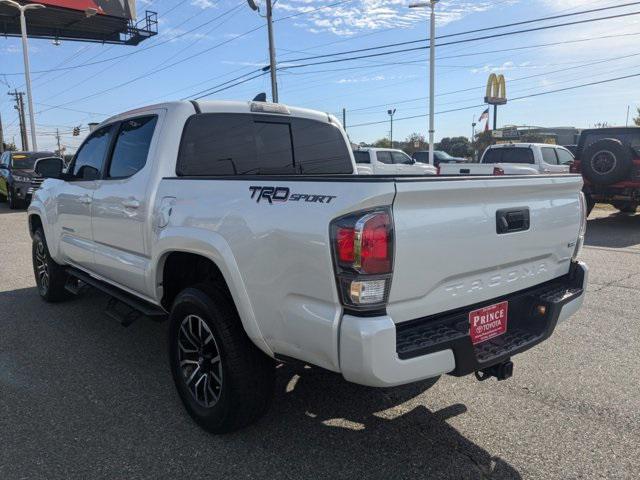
382	143
455	146
11	147
482	141
636	120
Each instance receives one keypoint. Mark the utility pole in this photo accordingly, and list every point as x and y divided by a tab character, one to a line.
628	108
272	48
1	137
344	119
58	139
391	113
19	106
25	55
432	71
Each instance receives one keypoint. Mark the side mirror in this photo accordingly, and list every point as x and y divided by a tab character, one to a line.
49	167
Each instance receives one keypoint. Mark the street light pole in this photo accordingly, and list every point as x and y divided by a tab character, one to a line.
272	47
25	54
391	113
432	71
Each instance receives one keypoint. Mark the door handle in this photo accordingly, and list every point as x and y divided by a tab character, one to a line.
131	204
85	199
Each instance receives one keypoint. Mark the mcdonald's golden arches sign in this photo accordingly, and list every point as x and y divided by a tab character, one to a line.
496	90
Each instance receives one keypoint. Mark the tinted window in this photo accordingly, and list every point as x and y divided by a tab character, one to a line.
89	159
361	157
508	155
132	146
422	157
401	158
319	147
236	144
26	161
492	155
564	157
549	156
384	157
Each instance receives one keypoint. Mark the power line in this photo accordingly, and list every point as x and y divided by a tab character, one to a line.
456	42
495	27
523	97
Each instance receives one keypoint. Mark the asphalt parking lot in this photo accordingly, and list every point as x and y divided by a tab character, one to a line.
83	397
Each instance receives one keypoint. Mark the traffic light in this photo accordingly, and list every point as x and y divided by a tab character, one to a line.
76	131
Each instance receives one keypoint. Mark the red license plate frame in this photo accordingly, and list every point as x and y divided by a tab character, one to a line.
488	322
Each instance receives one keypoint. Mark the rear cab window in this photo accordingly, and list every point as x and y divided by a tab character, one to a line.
509	155
628	136
223	144
361	156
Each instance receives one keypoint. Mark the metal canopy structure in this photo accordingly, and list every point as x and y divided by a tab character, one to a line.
102	21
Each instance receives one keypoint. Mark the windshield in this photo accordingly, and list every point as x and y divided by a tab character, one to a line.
26	161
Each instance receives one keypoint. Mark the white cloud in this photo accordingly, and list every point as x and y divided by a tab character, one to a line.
203	4
362	15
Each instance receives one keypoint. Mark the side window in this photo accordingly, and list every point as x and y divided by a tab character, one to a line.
564	157
3	160
89	159
384	157
132	146
549	156
400	158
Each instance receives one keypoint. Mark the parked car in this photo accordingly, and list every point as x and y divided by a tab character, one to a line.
516	159
439	157
17	177
387	161
609	160
243	224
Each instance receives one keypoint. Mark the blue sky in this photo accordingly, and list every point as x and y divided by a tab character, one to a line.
366	87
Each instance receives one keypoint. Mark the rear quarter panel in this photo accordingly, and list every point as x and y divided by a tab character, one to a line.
276	257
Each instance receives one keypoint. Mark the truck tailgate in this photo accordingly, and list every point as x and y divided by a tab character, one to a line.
448	251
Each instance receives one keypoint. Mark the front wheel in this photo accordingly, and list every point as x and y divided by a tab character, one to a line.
224	381
50	277
14	203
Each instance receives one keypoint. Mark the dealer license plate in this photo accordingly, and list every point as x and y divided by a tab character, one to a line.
488	322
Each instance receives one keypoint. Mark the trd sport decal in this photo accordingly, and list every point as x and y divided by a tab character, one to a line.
283	194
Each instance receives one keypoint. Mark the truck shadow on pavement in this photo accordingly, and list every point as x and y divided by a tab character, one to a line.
83	397
617	230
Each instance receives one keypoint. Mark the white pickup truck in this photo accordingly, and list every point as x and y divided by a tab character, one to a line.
388	161
515	159
244	224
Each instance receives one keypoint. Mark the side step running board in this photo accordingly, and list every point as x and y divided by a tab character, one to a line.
132	307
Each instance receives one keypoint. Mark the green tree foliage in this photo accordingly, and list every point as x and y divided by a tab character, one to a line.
456	146
636	120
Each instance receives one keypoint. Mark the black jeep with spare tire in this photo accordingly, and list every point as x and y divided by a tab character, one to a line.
609	160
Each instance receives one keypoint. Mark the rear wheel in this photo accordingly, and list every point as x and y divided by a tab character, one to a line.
224	381
51	278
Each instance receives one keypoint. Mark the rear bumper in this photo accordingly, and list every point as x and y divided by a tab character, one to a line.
376	352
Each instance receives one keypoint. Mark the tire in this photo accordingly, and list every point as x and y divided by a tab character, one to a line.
223	395
626	207
14	203
51	278
606	162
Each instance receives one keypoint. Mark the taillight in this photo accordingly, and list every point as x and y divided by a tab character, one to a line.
363	257
498	171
